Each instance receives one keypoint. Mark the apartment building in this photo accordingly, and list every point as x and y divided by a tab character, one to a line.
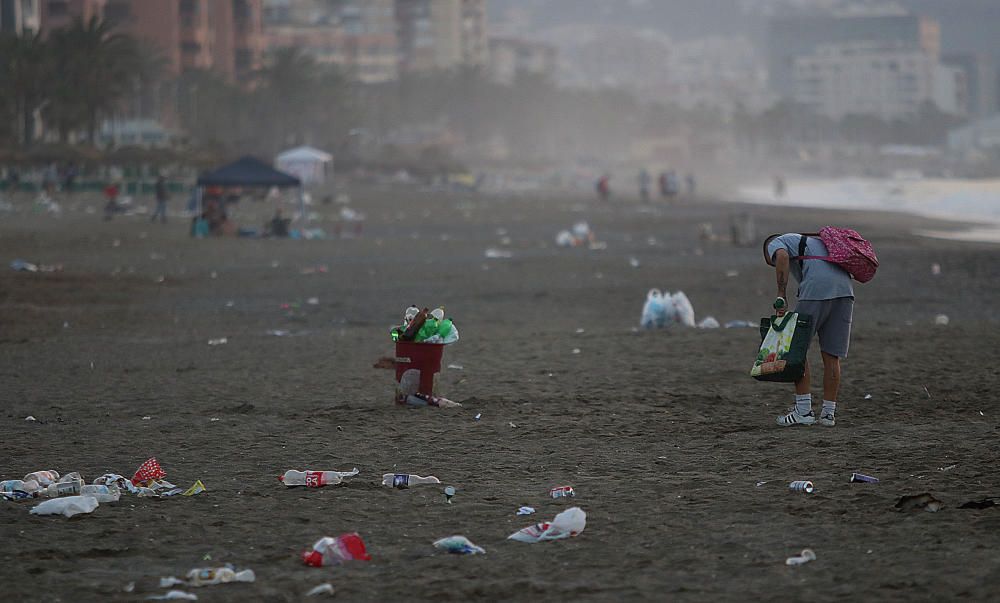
357	36
441	34
223	36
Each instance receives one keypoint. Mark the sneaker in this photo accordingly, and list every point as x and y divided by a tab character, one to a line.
794	418
827	419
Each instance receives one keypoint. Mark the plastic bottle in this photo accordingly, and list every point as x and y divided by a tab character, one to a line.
402	480
17	485
42	478
314	479
652	311
428	330
438	314
103	494
67	488
410	333
334	551
204	576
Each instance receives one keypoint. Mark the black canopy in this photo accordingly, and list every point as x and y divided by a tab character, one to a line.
247	171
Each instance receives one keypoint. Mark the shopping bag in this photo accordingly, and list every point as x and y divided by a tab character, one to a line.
782	354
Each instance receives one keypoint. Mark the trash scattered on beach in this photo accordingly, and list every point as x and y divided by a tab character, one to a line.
868	396
942	320
458	545
208	576
947	468
512	425
525	511
985	503
30	419
709	322
174	595
562	492
334	551
918	502
496	254
403	481
569	523
663	309
760	483
935	269
861	477
740	324
67	505
578	236
449	493
219	341
576	350
478	416
26	266
801	486
926	391
195	489
315	479
456	367
805	556
323	589
633	262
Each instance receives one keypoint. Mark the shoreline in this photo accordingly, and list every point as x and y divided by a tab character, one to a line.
973	206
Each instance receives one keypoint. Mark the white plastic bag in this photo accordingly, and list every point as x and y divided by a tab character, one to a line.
708	322
653	311
683	308
569	523
67	505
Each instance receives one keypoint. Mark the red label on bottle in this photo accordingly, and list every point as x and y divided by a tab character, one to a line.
314	479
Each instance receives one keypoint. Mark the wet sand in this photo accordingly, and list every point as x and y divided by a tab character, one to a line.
662	434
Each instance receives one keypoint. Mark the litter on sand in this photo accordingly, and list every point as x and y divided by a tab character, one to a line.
569	523
458	545
804	557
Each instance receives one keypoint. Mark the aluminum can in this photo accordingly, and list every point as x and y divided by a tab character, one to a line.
861	477
801	486
562	492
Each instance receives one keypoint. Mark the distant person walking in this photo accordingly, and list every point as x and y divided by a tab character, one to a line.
111	194
161	200
603	187
691	185
644	181
779	187
826	294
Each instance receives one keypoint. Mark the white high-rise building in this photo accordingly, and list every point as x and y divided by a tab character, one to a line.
21	17
884	79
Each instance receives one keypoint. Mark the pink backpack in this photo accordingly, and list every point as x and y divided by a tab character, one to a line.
847	249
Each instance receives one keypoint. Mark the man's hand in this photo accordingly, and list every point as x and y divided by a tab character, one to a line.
780	306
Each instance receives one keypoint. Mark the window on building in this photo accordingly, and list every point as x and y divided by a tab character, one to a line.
118	12
58	8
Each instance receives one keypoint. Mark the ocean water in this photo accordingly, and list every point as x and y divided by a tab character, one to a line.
975	201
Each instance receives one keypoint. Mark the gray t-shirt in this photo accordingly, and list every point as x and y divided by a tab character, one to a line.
820	279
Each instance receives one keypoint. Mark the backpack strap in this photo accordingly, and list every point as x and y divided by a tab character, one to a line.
802	251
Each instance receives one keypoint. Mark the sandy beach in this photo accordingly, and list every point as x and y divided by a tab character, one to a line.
671	448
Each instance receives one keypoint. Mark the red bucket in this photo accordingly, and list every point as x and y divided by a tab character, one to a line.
425	359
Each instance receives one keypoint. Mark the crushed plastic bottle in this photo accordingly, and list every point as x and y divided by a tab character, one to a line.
206	576
323	589
805	556
103	494
66	486
315	479
334	551
570	522
67	505
402	480
458	545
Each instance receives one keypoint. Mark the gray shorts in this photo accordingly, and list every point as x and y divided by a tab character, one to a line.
831	318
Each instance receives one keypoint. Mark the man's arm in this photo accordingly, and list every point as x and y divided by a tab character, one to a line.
781	261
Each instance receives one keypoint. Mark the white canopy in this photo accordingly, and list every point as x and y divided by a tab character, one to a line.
309	164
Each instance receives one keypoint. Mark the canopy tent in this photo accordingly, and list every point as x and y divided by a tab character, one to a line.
309	164
248	171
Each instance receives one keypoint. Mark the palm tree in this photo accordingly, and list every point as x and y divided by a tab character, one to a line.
97	68
25	69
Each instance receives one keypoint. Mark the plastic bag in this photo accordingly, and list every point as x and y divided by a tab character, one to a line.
67	505
569	523
654	312
459	545
683	308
